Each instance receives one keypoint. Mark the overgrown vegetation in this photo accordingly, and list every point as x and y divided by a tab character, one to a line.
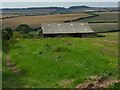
23	28
7	33
61	62
115	86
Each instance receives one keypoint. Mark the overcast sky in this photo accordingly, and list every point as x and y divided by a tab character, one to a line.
61	3
60	0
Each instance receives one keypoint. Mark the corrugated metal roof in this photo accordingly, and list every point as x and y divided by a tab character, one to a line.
59	28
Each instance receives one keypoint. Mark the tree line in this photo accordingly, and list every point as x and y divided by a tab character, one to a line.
7	33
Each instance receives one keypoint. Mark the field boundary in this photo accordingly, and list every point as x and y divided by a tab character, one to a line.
95	15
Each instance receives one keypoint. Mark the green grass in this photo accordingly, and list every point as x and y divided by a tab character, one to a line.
115	85
60	62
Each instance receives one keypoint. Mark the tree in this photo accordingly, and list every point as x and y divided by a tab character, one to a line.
23	28
7	33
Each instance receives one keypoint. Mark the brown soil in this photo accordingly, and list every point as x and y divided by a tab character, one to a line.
98	82
11	65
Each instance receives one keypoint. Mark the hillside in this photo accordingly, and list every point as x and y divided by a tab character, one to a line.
60	62
51	10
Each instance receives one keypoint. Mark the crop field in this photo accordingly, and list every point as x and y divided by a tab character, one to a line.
60	62
101	27
28	12
35	21
103	17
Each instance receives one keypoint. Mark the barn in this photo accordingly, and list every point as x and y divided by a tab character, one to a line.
66	29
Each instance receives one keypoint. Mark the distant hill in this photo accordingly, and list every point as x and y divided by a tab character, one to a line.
46	8
51	10
57	8
38	10
78	7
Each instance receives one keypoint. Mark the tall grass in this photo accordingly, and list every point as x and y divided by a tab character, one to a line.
62	62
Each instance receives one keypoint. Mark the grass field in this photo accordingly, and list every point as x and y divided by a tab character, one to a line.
35	21
60	62
103	17
101	27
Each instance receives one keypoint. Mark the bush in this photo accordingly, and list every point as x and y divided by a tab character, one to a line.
17	35
7	33
23	28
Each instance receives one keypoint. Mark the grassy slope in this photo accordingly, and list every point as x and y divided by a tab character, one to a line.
61	62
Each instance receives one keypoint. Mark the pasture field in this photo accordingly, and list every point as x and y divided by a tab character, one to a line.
103	17
35	21
60	62
101	27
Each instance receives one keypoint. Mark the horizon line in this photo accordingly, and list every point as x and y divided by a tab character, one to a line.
54	6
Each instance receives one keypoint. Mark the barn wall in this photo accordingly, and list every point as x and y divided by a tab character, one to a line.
69	35
56	35
87	34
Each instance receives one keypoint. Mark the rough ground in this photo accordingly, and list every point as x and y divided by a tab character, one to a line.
11	65
98	82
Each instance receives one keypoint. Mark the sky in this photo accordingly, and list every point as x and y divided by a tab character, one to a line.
61	3
59	0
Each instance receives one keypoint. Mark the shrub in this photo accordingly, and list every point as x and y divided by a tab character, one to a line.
17	35
7	33
23	28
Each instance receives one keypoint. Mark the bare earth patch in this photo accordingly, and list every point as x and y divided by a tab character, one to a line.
11	65
98	82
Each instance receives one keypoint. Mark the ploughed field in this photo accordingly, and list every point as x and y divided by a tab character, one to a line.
60	62
35	21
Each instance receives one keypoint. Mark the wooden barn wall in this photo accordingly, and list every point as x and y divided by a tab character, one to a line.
69	35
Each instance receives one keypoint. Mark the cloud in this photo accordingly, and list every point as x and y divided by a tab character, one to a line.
59	0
